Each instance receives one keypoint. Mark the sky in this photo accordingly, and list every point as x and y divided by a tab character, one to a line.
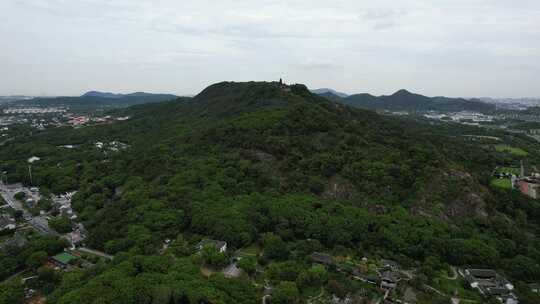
459	48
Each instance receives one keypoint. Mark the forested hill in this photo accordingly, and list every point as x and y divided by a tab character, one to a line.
404	100
93	100
247	162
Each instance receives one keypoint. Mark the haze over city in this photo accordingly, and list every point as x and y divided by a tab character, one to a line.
452	48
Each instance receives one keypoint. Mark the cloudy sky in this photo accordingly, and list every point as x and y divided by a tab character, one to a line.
435	47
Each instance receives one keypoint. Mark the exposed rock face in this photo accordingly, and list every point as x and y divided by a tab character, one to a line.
454	194
264	157
471	201
378	209
470	204
338	188
259	155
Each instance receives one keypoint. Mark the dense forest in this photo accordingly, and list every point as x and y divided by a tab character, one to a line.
262	164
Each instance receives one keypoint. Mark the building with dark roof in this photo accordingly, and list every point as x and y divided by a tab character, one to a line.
389	280
6	223
390	265
490	284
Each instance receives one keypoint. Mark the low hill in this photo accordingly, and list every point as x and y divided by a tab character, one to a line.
330	91
97	100
404	100
101	94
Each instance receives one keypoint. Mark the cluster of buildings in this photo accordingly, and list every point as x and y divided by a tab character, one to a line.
7	223
113	146
29	198
490	284
63	204
10	120
78	121
34	110
43	117
81	120
387	276
465	117
527	185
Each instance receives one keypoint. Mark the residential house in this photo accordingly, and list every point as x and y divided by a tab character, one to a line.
390	265
221	246
30	203
490	284
389	280
75	238
7	223
530	187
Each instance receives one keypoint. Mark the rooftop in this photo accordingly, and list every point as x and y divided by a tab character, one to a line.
390	263
64	258
481	273
4	221
390	276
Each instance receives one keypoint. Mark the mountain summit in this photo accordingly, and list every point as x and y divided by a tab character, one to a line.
331	91
402	92
102	94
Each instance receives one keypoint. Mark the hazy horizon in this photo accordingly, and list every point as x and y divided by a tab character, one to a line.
194	94
455	48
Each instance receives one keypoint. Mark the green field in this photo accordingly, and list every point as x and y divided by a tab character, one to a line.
511	170
504	183
511	150
252	251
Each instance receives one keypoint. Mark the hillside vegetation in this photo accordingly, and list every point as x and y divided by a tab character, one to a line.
245	162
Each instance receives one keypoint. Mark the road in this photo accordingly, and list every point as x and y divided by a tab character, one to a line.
435	290
95	252
39	223
454	274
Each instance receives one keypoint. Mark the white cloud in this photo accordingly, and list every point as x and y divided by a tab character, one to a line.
375	46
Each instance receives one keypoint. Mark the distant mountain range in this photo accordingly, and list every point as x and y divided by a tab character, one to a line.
14	98
102	94
99	100
329	91
404	100
118	95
